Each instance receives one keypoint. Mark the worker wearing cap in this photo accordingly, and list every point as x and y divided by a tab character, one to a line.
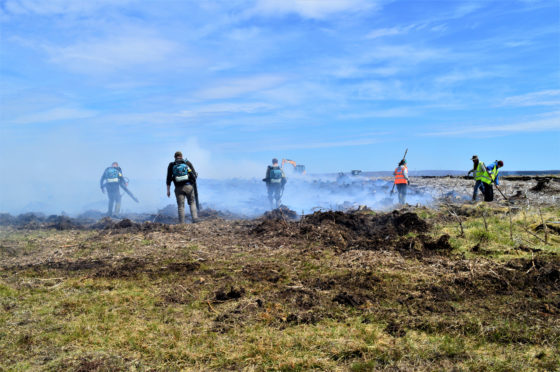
182	174
401	180
478	170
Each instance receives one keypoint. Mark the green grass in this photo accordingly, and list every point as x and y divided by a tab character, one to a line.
436	312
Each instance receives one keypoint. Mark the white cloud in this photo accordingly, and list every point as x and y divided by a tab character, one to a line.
407	53
543	98
244	34
50	7
468	8
314	9
462	75
551	124
226	108
113	53
385	113
379	90
382	32
327	144
238	87
55	114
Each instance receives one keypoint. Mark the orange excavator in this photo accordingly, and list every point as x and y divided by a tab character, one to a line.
298	168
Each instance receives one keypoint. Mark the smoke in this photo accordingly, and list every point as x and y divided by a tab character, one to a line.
60	175
306	194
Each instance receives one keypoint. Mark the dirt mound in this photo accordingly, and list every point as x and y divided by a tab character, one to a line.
128	226
371	225
352	230
62	223
6	219
542	184
532	273
281	213
33	221
209	213
90	216
104	223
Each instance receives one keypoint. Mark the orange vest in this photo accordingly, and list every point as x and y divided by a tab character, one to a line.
399	175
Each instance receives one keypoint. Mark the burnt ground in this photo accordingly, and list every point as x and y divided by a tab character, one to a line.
533	190
360	245
397	269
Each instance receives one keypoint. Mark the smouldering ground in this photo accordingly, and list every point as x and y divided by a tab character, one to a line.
356	292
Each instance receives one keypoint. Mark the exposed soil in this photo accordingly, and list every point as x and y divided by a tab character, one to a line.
353	230
389	268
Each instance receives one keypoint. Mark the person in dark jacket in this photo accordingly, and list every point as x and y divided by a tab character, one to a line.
275	181
181	172
111	179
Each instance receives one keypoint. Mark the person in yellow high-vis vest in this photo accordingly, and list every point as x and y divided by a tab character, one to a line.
491	176
478	170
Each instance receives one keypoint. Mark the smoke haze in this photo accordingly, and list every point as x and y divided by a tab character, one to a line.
63	177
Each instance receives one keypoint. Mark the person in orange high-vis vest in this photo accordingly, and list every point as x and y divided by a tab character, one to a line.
401	180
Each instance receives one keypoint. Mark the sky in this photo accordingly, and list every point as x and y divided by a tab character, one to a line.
333	84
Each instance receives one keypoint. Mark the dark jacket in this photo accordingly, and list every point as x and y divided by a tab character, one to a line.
170	177
121	178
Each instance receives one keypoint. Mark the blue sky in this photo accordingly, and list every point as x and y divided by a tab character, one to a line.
334	84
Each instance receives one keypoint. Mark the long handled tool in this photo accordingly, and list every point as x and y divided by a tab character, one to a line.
195	189
129	193
501	192
403	158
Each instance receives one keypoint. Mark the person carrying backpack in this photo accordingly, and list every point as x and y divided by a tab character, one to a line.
111	179
181	172
275	181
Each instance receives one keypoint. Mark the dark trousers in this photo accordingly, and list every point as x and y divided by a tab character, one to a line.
114	194
488	192
478	185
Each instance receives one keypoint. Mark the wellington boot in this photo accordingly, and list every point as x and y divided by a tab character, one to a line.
194	213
